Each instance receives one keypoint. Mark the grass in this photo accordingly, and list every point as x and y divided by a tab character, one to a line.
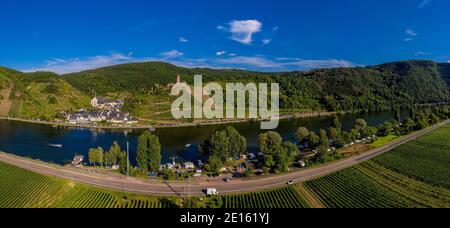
383	141
20	188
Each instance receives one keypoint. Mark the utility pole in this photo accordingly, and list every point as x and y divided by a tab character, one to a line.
128	159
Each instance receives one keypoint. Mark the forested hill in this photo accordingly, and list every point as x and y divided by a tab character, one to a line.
371	88
143	76
374	88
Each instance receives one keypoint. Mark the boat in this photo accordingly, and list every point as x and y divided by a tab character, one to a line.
188	145
55	145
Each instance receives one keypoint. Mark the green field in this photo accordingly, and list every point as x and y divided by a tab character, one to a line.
20	188
414	175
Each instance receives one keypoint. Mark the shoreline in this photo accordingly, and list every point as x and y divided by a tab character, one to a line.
142	127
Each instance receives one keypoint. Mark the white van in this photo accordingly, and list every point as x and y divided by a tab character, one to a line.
211	192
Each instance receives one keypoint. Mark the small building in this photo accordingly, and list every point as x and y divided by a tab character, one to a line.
189	165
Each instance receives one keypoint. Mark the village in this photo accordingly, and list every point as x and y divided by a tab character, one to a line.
103	111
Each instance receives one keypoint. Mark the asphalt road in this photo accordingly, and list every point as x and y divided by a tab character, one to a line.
194	189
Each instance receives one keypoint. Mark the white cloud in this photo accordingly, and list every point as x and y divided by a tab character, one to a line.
226	61
424	4
285	63
242	31
172	54
63	66
266	41
221	53
183	40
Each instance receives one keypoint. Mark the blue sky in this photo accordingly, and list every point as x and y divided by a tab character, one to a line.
263	35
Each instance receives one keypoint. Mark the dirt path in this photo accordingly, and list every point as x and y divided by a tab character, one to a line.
315	203
5	104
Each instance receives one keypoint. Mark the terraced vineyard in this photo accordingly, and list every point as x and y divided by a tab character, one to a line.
288	197
20	188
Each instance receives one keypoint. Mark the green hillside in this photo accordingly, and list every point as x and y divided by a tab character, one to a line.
374	88
40	95
143	86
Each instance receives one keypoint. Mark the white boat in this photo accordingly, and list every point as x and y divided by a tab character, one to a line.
55	145
188	145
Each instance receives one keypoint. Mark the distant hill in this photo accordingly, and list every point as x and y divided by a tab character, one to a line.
39	95
143	77
373	88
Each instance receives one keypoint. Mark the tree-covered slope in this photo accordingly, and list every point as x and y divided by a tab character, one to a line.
142	77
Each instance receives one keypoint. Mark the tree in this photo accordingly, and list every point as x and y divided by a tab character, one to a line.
114	153
333	133
123	163
149	152
398	115
292	151
237	142
214	164
337	124
409	125
220	146
96	156
281	162
434	119
302	134
270	143
360	125
314	140
249	172
227	144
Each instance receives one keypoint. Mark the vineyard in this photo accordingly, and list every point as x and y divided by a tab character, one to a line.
414	175
20	188
288	197
426	159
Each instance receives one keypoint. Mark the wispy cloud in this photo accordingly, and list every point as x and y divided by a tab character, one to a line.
242	31
266	41
183	40
421	53
172	54
285	63
221	61
221	53
63	66
424	3
410	35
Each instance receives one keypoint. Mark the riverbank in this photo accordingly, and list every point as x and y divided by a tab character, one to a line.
197	123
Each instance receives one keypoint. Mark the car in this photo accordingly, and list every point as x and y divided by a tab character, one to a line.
290	182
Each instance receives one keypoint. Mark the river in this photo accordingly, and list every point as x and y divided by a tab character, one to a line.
38	141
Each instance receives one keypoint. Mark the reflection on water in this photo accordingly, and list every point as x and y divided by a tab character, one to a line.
34	141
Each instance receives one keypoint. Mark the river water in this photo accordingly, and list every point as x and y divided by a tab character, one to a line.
38	141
